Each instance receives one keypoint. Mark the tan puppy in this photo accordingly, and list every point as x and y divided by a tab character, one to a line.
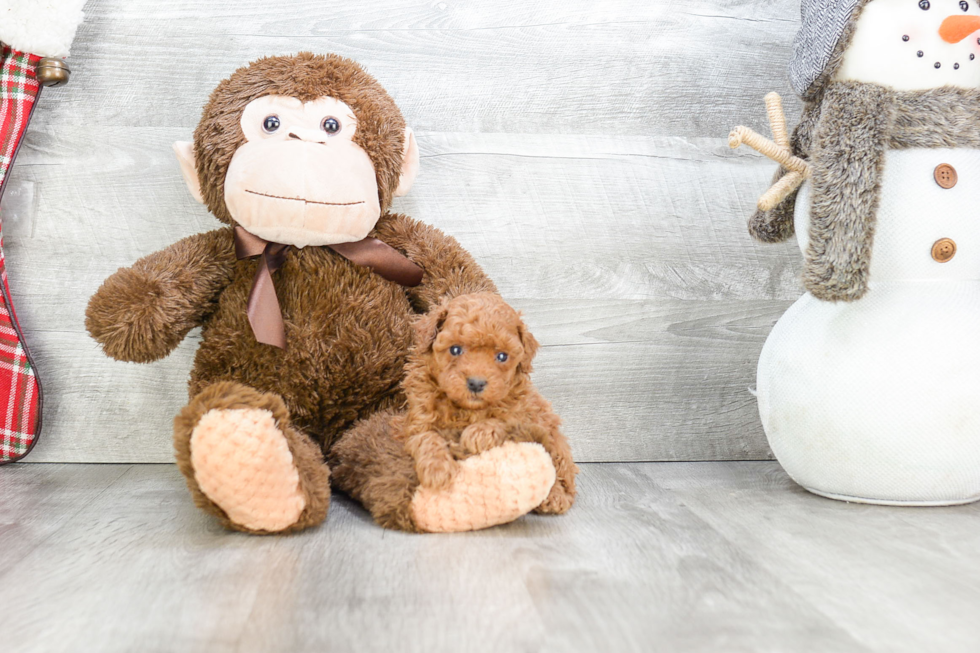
468	390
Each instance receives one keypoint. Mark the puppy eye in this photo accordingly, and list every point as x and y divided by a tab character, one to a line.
501	357
330	125
455	350
270	124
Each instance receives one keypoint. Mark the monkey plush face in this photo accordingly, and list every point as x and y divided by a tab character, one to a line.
298	177
304	150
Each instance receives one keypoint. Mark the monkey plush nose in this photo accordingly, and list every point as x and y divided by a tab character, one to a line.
956	28
308	135
476	385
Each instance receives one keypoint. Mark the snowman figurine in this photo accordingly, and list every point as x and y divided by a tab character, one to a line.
869	385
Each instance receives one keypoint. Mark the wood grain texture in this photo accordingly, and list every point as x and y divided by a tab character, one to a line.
653	557
578	151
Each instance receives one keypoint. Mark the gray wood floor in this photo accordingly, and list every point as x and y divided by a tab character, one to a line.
654	557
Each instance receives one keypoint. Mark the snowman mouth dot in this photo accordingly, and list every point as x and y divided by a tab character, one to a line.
956	66
919	53
972	57
937	64
905	37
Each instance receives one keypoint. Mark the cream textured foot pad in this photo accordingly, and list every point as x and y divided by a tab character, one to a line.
242	463
496	487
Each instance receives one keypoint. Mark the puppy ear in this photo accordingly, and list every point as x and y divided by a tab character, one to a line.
530	345
427	327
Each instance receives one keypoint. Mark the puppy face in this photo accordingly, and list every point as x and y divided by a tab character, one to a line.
477	348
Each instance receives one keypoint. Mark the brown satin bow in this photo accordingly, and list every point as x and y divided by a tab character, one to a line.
264	313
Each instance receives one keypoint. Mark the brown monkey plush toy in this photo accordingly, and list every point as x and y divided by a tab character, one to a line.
307	300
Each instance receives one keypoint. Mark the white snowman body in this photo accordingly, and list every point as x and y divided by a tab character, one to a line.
878	400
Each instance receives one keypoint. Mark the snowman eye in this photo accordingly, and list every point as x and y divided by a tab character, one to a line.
924	5
965	6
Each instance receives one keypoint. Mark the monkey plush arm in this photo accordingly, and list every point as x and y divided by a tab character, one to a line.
848	158
776	225
141	313
449	269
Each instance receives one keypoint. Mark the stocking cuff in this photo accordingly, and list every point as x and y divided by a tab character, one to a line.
42	27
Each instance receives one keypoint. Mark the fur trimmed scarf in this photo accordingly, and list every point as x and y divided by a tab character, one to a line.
844	135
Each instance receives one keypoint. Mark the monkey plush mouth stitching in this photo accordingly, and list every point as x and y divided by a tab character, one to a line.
300	199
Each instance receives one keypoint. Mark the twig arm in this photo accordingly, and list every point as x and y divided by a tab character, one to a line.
777	119
745	136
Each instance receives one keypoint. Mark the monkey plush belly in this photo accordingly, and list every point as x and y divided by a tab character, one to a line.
347	333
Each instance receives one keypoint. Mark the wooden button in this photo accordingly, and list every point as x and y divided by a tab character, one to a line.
944	249
945	176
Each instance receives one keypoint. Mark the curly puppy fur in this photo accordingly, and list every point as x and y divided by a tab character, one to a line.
348	329
468	388
380	461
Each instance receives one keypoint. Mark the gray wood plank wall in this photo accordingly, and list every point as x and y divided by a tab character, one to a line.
577	148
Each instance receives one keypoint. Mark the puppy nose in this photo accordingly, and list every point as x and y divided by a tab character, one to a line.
476	385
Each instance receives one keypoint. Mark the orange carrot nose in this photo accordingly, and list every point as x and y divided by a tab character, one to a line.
956	28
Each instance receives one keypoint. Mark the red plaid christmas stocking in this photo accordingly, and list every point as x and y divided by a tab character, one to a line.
20	391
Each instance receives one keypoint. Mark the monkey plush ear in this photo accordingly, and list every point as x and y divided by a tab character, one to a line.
410	164
185	156
530	345
427	327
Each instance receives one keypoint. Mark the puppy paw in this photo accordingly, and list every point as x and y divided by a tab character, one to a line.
437	473
558	502
482	436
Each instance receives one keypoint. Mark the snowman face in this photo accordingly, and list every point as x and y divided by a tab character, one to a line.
915	45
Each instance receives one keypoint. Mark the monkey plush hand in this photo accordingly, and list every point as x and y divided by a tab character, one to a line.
306	299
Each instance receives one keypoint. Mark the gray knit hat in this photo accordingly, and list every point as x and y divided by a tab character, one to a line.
824	35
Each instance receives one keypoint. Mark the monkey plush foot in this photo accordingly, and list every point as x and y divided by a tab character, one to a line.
496	487
246	465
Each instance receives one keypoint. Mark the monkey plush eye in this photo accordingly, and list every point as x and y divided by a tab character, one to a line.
455	350
270	124
330	125
502	357
965	6
923	5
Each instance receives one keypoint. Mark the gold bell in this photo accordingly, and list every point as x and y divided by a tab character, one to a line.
52	71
